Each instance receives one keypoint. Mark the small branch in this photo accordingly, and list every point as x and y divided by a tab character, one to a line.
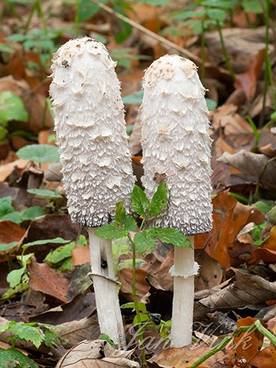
151	34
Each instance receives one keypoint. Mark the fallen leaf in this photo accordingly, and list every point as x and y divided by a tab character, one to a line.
142	286
247	81
266	358
229	217
48	281
246	345
11	235
185	357
7	169
96	354
80	255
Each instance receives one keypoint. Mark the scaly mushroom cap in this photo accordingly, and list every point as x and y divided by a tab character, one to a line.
90	128
176	144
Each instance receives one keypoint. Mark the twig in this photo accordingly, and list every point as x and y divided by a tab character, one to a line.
148	32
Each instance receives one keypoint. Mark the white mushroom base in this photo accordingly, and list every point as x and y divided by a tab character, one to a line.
106	289
183	296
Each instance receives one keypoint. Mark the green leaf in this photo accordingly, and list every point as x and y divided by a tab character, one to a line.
144	241
171	236
159	201
11	108
110	231
66	265
14	277
134	99
59	254
32	213
5	206
188	14
6	48
211	104
85	10
252	6
154	2
10	357
44	193
217	15
3	133
122	219
264	205
7	246
45	241
13	217
39	153
139	201
26	332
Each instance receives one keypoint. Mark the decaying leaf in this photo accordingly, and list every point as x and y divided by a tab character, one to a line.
185	357
96	354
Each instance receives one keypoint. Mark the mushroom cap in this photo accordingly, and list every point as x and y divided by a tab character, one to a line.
176	143
90	129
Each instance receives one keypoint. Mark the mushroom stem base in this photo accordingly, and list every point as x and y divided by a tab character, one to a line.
106	289
183	297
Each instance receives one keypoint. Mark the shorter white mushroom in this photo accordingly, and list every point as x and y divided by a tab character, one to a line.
176	145
96	164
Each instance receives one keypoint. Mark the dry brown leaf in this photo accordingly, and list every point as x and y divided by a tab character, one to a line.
246	345
229	217
247	81
142	286
7	169
247	290
185	357
265	358
45	279
267	142
96	354
80	255
257	168
10	232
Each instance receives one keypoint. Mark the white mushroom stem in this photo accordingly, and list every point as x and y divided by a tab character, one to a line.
106	289
183	297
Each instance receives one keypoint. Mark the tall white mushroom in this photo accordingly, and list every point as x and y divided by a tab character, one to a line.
96	164
176	145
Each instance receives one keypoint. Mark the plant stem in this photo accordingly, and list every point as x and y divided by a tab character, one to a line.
265	332
225	52
202	52
213	351
268	67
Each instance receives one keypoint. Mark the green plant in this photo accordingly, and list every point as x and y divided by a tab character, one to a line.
8	212
204	15
142	237
12	108
34	333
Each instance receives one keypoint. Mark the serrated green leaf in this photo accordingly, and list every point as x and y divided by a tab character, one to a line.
11	108
39	153
171	236
110	231
144	242
139	201
60	254
15	276
27	332
44	193
9	357
57	240
159	201
123	220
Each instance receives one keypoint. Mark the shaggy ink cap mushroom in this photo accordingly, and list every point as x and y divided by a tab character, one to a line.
176	143
90	129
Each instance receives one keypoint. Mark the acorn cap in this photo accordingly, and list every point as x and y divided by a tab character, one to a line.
90	129
176	144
